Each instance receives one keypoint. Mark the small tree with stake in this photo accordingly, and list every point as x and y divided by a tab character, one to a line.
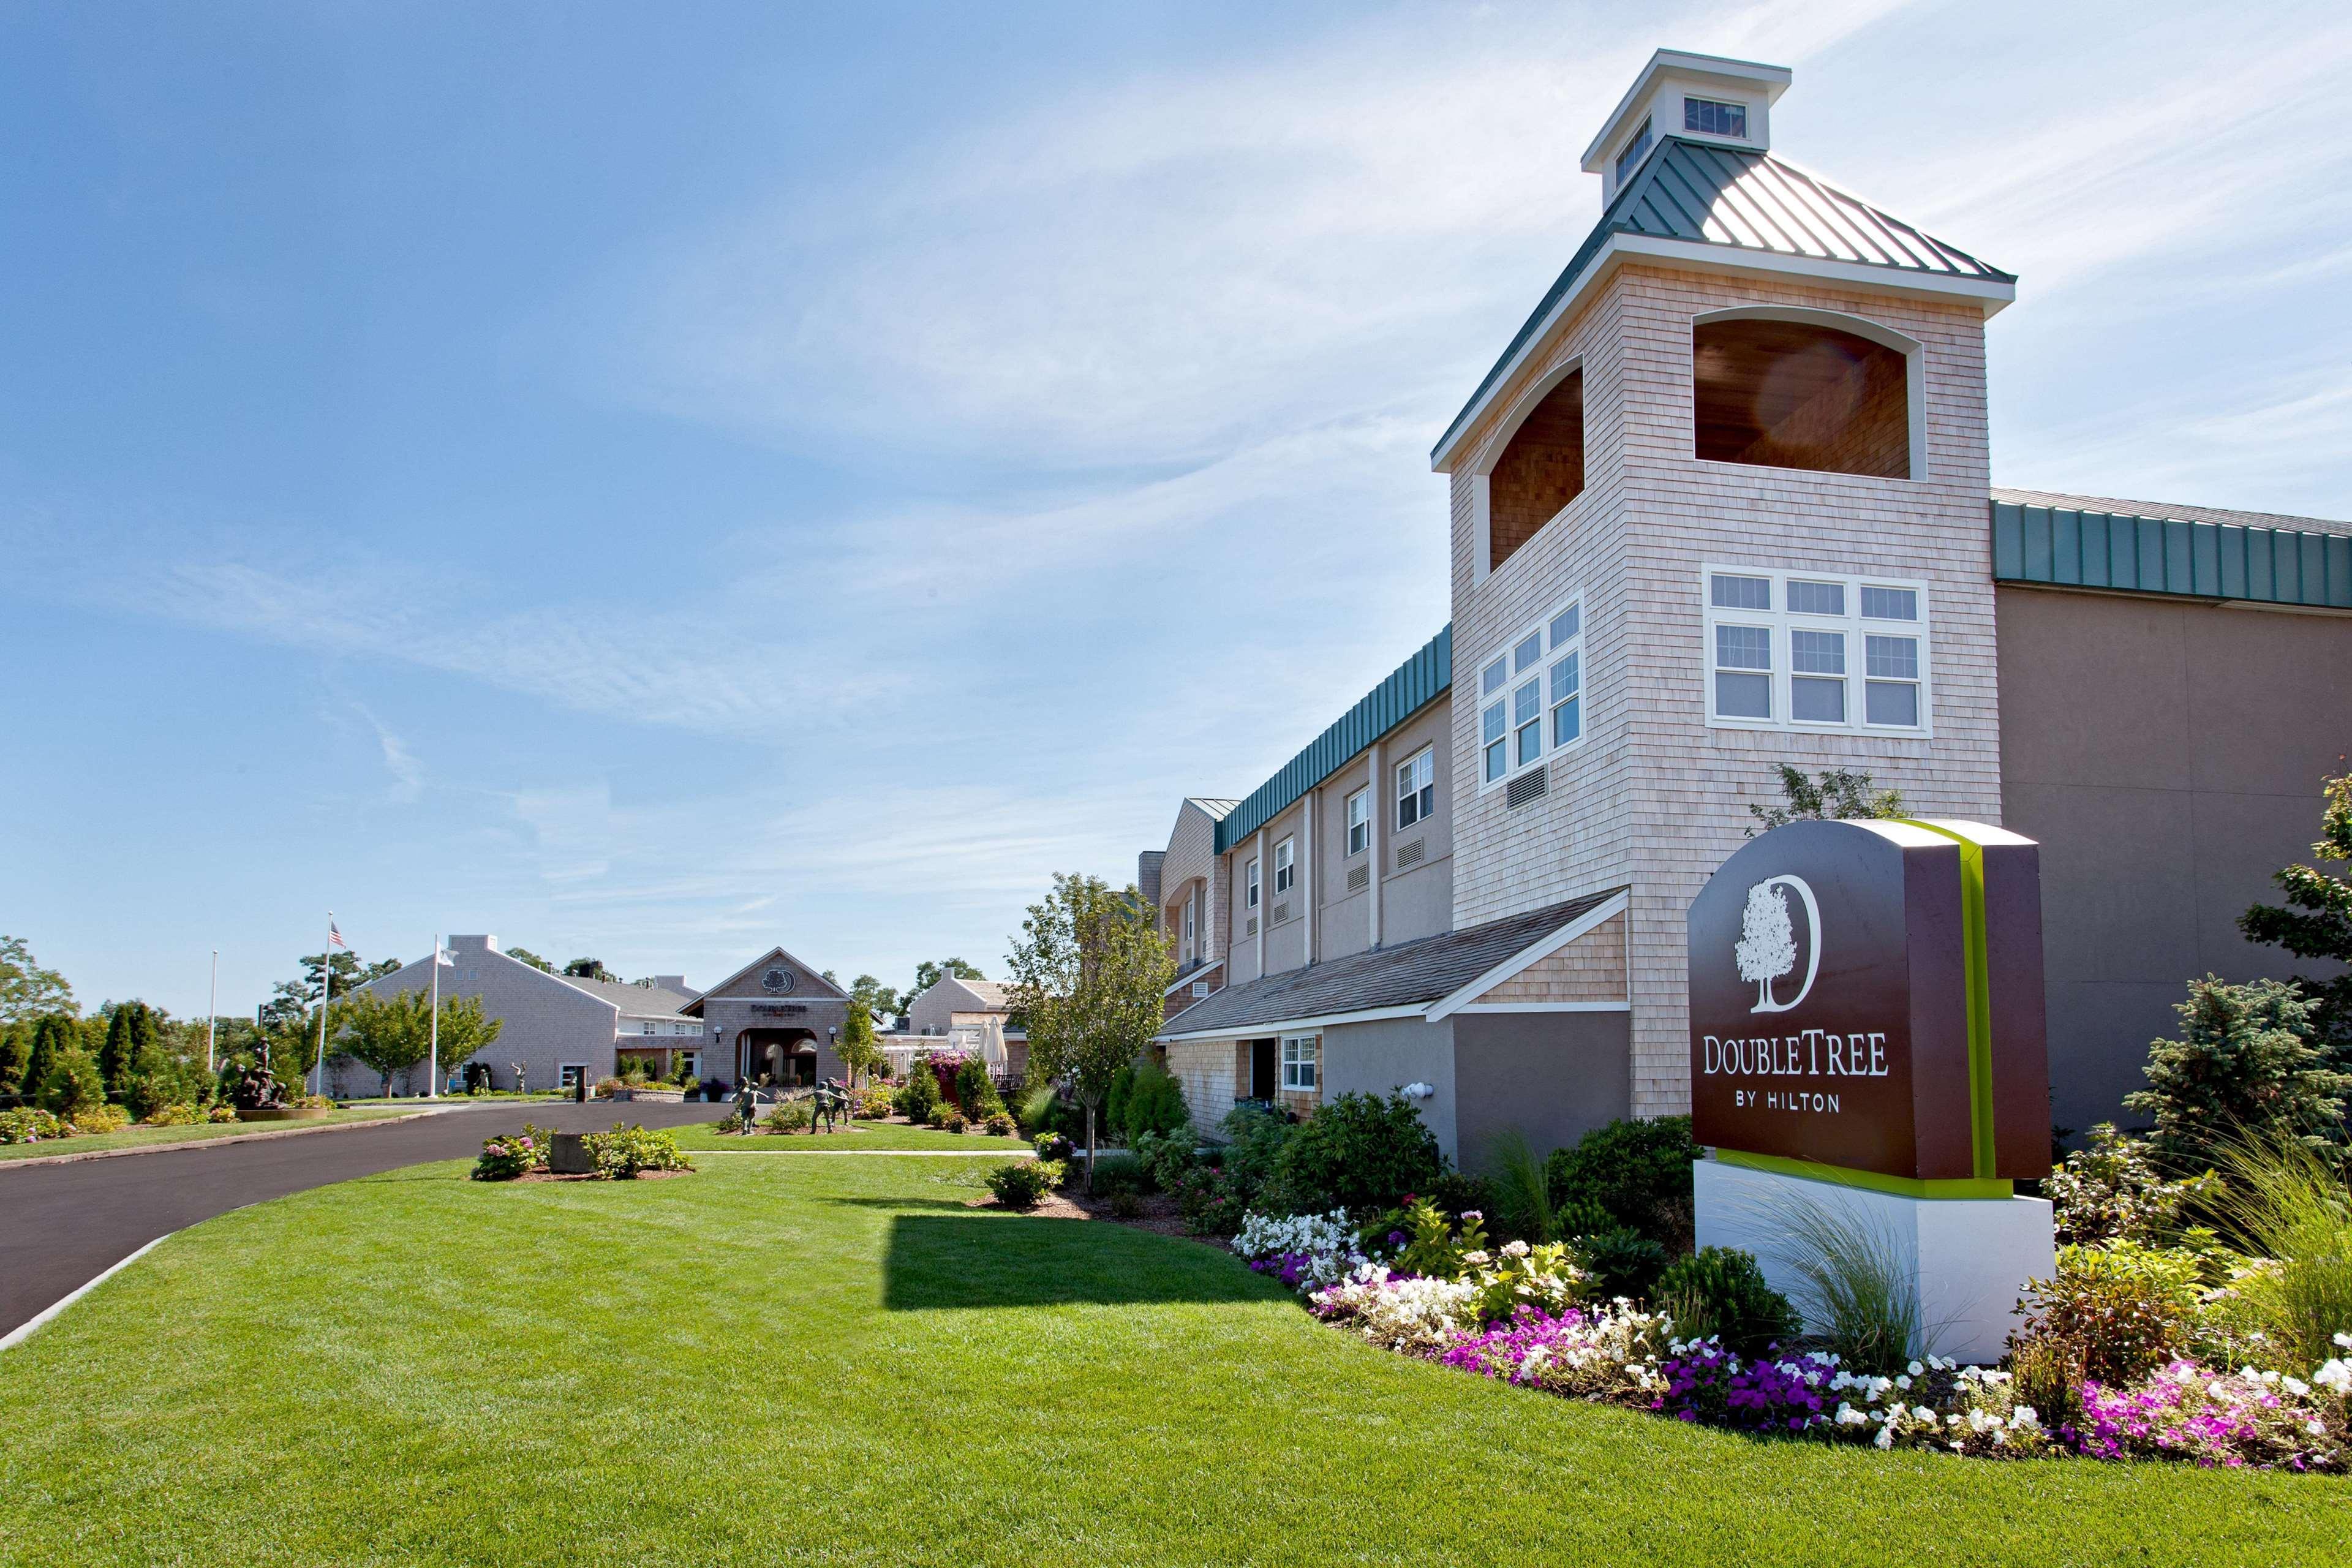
1089	973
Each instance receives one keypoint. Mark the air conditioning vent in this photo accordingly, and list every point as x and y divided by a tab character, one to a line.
1360	878
1253	926
1199	988
1281	913
1411	853
1526	788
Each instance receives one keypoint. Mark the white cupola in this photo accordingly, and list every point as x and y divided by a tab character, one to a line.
1700	97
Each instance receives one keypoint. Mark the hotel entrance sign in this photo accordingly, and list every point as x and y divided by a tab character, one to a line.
1867	996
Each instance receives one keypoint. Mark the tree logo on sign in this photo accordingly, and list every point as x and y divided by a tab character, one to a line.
1766	949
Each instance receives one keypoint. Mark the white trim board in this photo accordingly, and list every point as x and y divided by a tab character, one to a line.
1592	920
1545	1007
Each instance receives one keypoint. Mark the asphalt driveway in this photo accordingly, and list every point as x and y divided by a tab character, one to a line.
61	1226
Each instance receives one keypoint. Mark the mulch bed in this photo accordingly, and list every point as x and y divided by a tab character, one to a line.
641	1176
1160	1214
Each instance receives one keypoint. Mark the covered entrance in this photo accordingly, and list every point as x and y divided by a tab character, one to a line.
785	1058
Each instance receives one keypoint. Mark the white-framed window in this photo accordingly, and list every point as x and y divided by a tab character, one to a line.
1631	158
1532	696
1713	117
693	1063
1301	1054
1249	885
1815	651
1416	788
569	1074
1359	821
1192	915
1282	867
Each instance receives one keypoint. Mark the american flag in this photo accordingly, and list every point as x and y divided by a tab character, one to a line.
335	938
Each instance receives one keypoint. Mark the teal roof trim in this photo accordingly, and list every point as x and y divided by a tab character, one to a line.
1741	200
2068	548
1427	674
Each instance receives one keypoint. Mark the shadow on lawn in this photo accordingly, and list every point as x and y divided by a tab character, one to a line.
978	1260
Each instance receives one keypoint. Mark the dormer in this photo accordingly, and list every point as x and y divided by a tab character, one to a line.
1700	97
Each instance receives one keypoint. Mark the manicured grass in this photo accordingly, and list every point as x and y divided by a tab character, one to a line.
136	1137
857	1135
837	1361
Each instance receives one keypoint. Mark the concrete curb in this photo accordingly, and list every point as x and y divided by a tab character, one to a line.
26	1330
225	1140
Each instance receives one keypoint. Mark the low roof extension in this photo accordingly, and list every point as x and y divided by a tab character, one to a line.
2054	541
1413	979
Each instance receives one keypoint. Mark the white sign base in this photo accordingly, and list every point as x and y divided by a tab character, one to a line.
1969	1258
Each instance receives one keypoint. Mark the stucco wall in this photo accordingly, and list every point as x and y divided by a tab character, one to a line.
1384	1056
1552	1076
2167	756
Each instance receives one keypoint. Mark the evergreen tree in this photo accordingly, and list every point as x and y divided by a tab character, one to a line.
2317	921
2244	1069
15	1051
52	1032
114	1053
72	1084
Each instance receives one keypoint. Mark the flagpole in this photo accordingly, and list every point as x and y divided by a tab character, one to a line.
326	996
212	1014
433	1050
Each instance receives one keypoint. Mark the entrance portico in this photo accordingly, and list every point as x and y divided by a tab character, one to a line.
777	1018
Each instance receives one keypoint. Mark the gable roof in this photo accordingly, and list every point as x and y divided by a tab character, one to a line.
1409	977
638	1001
1212	807
991	993
1694	197
809	981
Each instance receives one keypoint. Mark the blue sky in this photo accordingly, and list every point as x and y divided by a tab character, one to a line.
653	485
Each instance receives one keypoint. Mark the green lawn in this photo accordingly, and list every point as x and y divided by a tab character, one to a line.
858	1135
836	1362
137	1137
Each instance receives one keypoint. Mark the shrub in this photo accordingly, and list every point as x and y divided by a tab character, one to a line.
2245	1069
1720	1292
940	1113
1037	1114
975	1090
221	1113
1154	1105
180	1115
1056	1146
792	1116
624	1151
1211	1205
508	1156
2125	1310
1019	1185
2112	1191
1522	1193
92	1120
29	1126
1166	1156
72	1086
1637	1172
1255	1141
874	1102
728	1124
1119	1173
1359	1152
1620	1260
1126	1206
2047	1375
955	1121
920	1095
605	1086
998	1125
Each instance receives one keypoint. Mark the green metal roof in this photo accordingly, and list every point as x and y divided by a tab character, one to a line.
1741	200
1419	680
2076	547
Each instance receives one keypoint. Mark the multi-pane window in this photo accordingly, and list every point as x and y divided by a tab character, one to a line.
1360	822
1532	697
1789	649
1282	867
1192	906
1301	1054
1249	886
1416	787
1713	117
1631	158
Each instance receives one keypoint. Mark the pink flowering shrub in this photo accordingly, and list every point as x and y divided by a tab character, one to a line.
508	1156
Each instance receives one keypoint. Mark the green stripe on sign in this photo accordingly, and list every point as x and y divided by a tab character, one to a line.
1871	1181
1980	983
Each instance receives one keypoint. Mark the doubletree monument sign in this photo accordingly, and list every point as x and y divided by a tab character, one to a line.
1867	1023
